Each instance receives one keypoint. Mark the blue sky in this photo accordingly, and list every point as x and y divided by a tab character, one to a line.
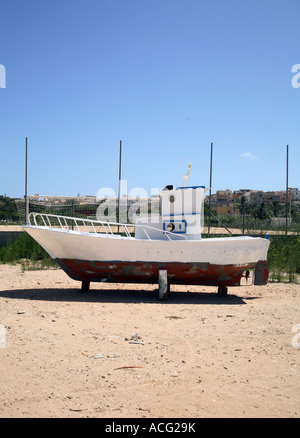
167	77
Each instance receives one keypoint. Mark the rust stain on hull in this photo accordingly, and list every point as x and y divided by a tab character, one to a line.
147	272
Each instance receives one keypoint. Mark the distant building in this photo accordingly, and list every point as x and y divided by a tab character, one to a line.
268	197
295	194
222	203
227	209
242	192
225	202
282	195
255	197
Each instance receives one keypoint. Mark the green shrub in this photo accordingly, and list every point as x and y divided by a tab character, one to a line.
25	248
284	258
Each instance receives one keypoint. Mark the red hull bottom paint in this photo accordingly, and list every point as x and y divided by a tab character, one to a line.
147	272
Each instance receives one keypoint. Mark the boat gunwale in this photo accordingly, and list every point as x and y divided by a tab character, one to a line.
120	237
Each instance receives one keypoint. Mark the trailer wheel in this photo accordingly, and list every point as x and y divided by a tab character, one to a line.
222	291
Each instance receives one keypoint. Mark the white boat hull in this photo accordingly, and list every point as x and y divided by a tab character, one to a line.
104	257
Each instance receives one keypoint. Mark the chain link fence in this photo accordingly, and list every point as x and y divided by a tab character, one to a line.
106	209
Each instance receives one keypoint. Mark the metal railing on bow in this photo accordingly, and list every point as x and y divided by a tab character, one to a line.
80	225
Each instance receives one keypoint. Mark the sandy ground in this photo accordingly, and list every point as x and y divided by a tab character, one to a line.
118	352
